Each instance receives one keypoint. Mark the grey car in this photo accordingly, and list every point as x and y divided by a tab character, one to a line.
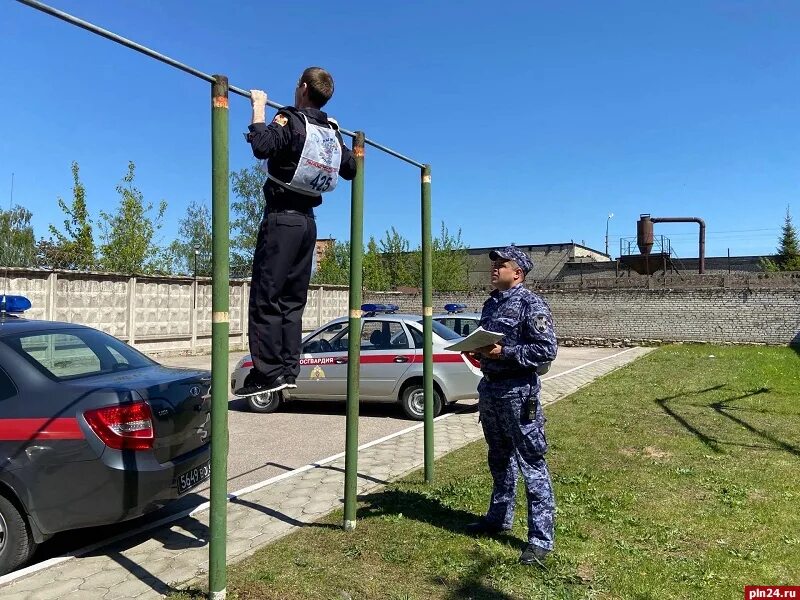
391	366
463	323
92	432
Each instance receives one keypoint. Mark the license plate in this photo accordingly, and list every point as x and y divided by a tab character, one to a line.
193	477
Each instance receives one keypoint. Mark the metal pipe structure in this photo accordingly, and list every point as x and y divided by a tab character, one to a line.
702	237
220	340
427	321
183	67
354	336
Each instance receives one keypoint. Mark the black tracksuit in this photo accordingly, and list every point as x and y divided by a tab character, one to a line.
285	246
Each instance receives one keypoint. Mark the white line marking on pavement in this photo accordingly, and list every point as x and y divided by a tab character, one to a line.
233	495
591	362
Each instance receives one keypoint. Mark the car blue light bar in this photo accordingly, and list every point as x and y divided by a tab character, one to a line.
455	308
379	308
14	304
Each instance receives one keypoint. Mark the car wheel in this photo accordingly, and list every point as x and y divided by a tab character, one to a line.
413	401
264	403
16	541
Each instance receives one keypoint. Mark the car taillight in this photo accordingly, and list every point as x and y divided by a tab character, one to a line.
123	427
472	359
246	364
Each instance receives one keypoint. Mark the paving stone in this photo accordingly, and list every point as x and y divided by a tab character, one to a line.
56	590
12	595
130	588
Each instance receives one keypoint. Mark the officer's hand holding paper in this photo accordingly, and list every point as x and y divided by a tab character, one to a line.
479	338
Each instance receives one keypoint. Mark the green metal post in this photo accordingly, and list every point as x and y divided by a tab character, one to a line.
427	321
217	570
354	335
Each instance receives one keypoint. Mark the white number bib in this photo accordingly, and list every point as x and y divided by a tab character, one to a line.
318	168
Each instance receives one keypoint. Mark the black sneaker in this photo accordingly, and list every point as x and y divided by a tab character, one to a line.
534	555
290	382
257	384
484	527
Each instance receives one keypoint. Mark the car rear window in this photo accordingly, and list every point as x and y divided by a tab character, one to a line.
76	353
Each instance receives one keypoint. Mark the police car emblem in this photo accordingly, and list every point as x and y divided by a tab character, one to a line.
540	323
194	391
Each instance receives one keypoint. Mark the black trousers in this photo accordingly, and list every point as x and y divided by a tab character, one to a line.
279	290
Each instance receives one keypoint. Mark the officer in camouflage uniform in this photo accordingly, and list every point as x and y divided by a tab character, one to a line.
510	411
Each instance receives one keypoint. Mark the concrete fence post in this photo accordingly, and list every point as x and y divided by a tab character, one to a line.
193	317
320	292
244	317
52	281
131	316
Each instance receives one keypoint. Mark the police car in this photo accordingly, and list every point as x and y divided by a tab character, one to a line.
92	431
390	369
463	323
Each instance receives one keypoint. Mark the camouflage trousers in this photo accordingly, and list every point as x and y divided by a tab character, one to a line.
513	425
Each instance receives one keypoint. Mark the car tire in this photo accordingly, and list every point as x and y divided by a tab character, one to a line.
264	403
412	399
16	541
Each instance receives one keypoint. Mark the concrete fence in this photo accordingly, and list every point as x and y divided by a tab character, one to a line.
158	315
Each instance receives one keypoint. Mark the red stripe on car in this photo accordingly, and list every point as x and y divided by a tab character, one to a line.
39	429
372	359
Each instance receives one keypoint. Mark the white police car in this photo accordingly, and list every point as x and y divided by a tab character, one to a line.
391	365
463	323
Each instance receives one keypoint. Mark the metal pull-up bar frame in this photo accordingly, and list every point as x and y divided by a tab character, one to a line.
183	67
220	302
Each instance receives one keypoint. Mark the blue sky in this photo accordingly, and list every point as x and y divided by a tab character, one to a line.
538	118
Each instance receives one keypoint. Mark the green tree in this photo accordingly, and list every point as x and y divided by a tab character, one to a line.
788	257
449	262
376	277
247	212
127	235
334	267
398	262
194	243
74	247
17	243
48	254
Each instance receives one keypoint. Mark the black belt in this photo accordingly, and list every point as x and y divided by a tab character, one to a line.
309	212
503	375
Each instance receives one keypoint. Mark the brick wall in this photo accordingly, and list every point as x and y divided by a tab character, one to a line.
698	315
663	314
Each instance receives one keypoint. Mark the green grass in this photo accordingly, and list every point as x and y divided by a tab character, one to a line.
675	477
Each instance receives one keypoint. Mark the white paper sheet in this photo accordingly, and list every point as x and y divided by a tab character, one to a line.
477	339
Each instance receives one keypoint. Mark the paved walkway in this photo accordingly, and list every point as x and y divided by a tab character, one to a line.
154	562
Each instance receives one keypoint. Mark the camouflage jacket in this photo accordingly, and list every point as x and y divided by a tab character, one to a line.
525	320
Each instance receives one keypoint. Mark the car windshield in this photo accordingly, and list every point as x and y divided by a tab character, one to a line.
64	354
443	332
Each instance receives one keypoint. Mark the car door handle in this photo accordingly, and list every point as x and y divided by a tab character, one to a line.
400	359
340	360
